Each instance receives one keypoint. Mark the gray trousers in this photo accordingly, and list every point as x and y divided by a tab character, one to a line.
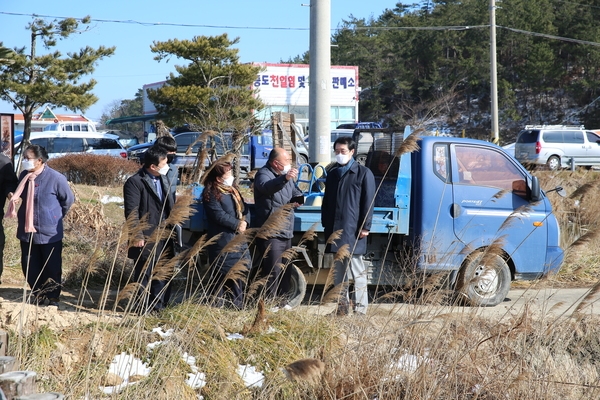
353	269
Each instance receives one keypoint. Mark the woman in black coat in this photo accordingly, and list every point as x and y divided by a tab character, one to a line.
226	213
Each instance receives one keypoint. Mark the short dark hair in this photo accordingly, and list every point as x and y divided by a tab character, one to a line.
38	151
166	142
345	140
153	156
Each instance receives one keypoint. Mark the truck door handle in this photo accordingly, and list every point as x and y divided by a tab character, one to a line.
455	210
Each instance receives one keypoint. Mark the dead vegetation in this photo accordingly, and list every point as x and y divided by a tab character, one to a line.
408	352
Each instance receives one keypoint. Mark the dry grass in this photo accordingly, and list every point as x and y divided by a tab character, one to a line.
410	352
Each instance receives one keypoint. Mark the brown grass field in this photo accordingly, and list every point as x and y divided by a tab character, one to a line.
442	353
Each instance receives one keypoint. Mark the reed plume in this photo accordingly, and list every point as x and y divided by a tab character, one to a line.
239	271
342	254
128	291
260	320
238	244
277	223
309	235
182	210
410	144
334	236
307	370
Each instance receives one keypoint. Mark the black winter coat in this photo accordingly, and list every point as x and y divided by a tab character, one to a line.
141	199
347	204
222	219
272	191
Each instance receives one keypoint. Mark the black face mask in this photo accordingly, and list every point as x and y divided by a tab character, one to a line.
170	158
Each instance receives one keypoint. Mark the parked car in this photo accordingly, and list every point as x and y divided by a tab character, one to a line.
254	153
557	146
360	125
59	143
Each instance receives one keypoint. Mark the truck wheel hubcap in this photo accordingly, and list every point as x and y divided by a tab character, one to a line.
486	280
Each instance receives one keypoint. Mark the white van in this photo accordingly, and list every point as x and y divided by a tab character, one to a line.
556	146
59	143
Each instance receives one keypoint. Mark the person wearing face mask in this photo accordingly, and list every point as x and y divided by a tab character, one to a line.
348	207
45	198
147	204
227	216
169	144
274	187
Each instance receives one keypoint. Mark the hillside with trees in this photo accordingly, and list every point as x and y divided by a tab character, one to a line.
429	63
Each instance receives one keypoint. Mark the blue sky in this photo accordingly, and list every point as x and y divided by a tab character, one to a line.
133	65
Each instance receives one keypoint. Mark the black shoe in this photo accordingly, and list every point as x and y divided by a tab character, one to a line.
53	302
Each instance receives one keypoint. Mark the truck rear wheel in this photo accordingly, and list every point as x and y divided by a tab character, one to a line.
487	284
297	287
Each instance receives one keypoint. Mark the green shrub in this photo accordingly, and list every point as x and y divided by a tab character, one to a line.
92	169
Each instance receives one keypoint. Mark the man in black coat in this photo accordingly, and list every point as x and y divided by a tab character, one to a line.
8	184
348	206
147	204
274	187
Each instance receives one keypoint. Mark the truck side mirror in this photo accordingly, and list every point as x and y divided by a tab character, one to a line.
536	193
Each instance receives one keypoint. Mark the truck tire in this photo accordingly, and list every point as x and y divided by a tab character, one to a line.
484	285
362	159
297	287
553	163
302	159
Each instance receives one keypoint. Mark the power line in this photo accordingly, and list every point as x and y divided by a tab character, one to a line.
130	21
564	39
356	28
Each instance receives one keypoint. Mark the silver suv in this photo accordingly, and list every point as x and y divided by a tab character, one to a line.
557	146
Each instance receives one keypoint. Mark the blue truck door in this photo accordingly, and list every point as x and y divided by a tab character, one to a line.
260	147
491	203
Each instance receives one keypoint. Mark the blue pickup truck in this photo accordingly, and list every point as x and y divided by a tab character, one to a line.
458	207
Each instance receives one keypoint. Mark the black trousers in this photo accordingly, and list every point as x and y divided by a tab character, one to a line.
271	264
42	266
155	293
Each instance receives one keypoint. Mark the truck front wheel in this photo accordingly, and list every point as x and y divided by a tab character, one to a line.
297	287
482	284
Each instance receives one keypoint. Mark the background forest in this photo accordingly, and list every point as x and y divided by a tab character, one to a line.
428	64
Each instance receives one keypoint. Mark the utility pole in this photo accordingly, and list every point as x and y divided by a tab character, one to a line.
319	103
494	73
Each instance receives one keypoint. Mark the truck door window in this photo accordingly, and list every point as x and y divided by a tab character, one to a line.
479	166
440	161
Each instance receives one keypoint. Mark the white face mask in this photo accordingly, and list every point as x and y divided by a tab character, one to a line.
342	159
26	165
164	170
228	181
286	169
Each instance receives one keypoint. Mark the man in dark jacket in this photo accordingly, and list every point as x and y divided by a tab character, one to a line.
147	205
348	206
8	184
274	187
